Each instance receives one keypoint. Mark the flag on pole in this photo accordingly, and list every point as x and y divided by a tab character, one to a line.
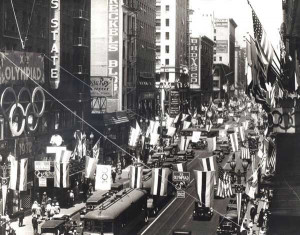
154	139
186	125
208	164
171	131
4	183
13	173
211	144
23	174
205	187
245	153
182	167
103	177
184	142
196	136
57	174
234	142
242	133
159	181
239	205
90	167
66	174
224	184
96	149
136	175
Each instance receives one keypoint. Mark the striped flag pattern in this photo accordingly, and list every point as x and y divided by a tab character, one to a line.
13	173
23	174
242	133
234	142
204	187
182	167
271	161
159	181
224	184
245	153
136	175
57	174
96	149
211	144
239	204
66	174
90	167
208	164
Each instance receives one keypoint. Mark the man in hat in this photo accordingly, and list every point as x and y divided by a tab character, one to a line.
21	217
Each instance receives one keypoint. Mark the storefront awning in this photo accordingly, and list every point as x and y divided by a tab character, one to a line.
115	118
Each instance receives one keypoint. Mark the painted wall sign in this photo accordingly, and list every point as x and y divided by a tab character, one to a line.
194	61
55	44
17	67
222	46
113	43
102	86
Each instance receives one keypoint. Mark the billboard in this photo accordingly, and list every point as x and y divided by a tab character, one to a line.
17	67
174	103
102	86
222	46
221	23
55	44
194	63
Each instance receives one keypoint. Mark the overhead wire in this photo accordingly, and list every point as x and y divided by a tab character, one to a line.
29	23
133	157
13	8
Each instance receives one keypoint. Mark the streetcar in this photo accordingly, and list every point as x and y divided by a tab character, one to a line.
118	215
96	199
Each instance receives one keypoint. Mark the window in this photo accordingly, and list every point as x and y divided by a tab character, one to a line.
216	83
215	51
220	58
157	49
157	22
215	30
167	35
167	76
167	49
167	22
167	7
215	38
215	59
167	61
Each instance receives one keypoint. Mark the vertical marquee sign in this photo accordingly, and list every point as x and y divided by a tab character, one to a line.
113	43
174	103
194	63
55	43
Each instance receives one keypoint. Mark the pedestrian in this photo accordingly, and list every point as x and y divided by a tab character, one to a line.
34	207
57	208
260	218
91	189
76	191
44	198
48	210
250	226
85	189
39	211
71	197
253	212
21	217
114	174
35	224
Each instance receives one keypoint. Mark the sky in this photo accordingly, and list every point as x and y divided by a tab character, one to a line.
269	13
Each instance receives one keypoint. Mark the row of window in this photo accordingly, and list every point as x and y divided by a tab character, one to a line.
158	35
167	8
158	22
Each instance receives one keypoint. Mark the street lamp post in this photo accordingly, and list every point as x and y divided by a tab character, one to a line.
232	165
245	166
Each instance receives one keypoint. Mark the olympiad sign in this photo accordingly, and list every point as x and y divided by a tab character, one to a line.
17	67
181	176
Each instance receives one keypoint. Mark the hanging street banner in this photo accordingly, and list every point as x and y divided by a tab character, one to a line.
174	103
102	86
179	176
17	67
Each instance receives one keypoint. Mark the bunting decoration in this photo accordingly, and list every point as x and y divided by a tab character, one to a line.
4	182
136	175
205	187
245	153
23	174
90	167
96	149
208	164
182	167
239	190
159	181
211	144
66	174
234	142
13	174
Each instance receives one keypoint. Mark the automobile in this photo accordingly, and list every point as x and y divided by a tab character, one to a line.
201	212
53	227
201	144
225	148
228	223
175	148
181	156
190	153
170	157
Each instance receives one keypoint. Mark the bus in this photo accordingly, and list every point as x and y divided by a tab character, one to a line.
119	214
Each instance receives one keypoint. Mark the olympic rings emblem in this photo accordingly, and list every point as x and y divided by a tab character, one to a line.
279	117
104	176
16	102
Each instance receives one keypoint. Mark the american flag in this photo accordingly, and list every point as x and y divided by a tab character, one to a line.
245	153
224	184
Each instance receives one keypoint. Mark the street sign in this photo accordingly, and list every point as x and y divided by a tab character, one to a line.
42	182
42	165
180	194
181	176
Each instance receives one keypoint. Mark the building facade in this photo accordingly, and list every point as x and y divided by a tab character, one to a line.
171	44
239	73
224	55
47	47
145	65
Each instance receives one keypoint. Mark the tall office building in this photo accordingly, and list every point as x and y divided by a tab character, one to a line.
224	61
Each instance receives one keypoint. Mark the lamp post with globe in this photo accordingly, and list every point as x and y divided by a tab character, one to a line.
245	166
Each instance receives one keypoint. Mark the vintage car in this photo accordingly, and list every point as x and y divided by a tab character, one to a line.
181	156
202	213
228	223
53	227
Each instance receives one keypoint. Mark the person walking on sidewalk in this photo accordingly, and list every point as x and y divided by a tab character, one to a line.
71	198
21	217
253	212
114	174
260	218
34	224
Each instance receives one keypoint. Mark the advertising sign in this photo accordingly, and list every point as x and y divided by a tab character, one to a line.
222	46
180	194
42	165
221	23
181	176
103	177
174	103
102	86
55	44
42	182
194	62
17	67
113	43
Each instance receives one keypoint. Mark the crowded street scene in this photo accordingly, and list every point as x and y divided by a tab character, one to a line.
150	117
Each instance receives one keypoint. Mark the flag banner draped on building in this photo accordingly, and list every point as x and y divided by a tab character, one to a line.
182	167
186	125
245	153
224	184
208	164
171	131
90	167
184	142
66	174
96	149
4	182
103	177
13	173
23	174
136	175
242	133
196	136
211	144
205	187
271	158
154	138
80	148
234	142
56	174
159	181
